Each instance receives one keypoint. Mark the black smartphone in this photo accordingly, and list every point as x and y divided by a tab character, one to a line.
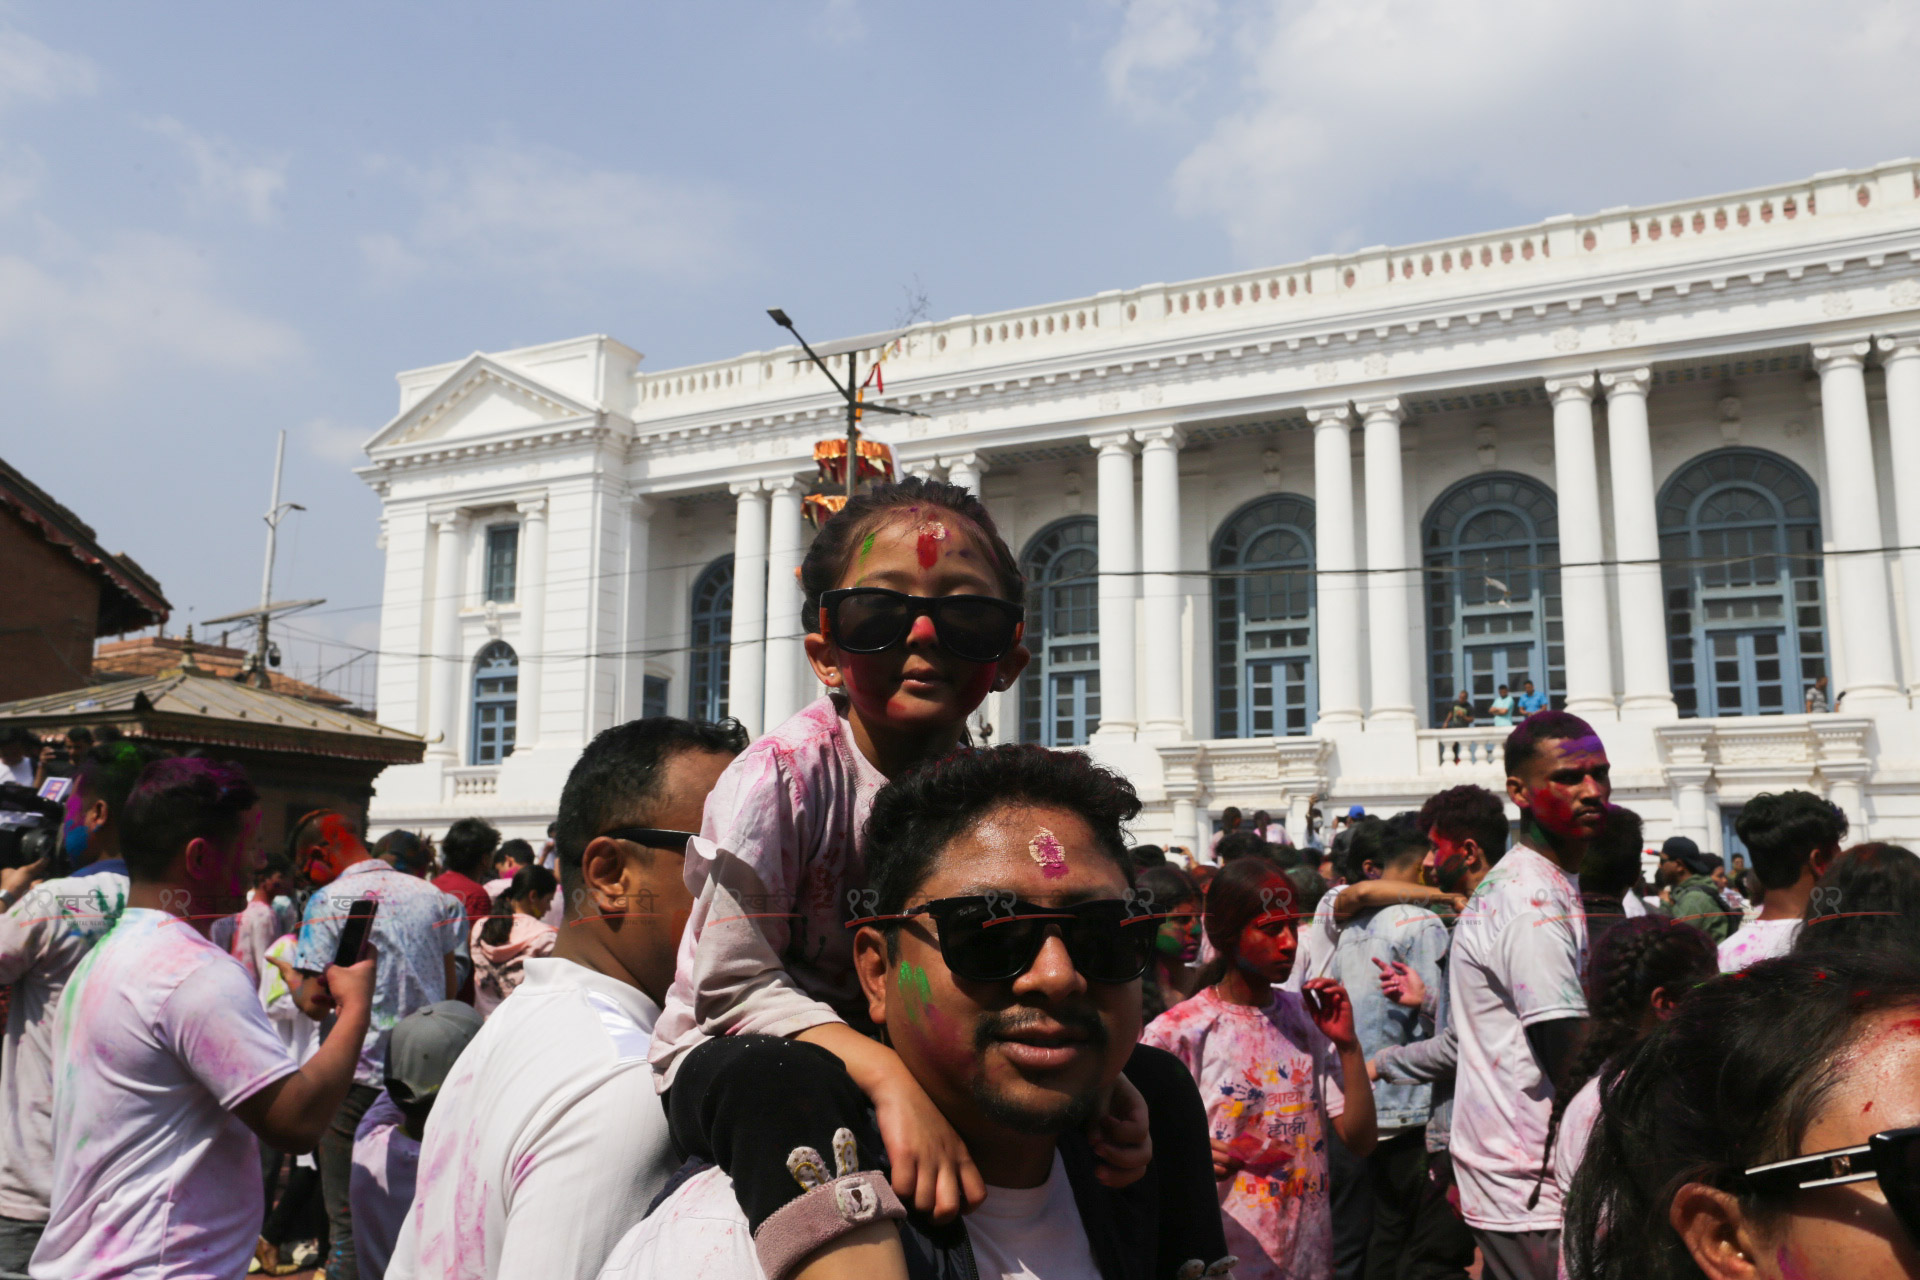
355	932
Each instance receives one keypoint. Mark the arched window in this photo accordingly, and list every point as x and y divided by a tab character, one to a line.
1739	544
496	702
1492	552
711	633
1264	683
1060	690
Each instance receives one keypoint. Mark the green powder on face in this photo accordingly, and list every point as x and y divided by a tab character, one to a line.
916	989
867	545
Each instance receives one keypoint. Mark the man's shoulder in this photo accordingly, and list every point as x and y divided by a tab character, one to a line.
698	1230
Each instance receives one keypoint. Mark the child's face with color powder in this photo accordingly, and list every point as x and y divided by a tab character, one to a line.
1266	947
1179	935
917	684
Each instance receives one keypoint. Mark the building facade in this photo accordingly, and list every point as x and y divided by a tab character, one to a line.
1664	462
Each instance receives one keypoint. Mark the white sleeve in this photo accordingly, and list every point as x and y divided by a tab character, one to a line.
215	1026
696	1232
1540	963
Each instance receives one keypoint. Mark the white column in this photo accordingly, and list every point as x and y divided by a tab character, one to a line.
1119	561
1690	804
1853	503
1636	543
786	544
1388	603
1160	584
443	718
1184	811
965	470
1338	645
530	589
1900	357
634	637
1583	579
746	674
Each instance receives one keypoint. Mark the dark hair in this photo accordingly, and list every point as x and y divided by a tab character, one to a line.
1309	886
1239	895
917	815
80	735
1612	861
1284	856
838	542
1163	888
617	780
1717	1089
1230	817
275	865
1636	958
176	802
468	844
1147	855
109	773
1385	842
1869	899
408	851
516	849
1523	744
1239	844
1262	819
528	882
1782	829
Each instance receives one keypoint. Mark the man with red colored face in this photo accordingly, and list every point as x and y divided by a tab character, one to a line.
1518	1006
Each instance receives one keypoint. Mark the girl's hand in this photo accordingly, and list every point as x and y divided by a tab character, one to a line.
1332	1011
1400	984
1120	1138
932	1171
1225	1163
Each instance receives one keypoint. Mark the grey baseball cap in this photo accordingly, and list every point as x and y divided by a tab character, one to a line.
423	1047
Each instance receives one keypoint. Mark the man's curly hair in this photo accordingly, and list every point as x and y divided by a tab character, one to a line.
917	815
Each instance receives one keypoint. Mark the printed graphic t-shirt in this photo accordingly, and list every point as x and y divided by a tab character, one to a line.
1518	954
1271	1082
160	1036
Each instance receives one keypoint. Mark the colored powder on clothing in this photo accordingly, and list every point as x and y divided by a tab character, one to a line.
1045	849
931	534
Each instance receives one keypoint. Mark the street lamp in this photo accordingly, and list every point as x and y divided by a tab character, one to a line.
851	392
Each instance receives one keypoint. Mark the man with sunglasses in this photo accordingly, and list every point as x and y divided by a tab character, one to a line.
548	1139
999	947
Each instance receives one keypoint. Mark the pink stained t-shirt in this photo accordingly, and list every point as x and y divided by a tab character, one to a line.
1270	1080
766	950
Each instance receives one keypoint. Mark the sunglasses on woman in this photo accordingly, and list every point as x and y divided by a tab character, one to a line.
1893	1157
997	937
872	619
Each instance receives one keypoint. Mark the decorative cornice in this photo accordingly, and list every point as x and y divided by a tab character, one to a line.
1633	380
1576	387
1842	352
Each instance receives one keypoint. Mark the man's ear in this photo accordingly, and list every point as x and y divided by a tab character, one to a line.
1709	1222
199	858
1517	792
1822	858
871	963
1008	669
95	815
603	875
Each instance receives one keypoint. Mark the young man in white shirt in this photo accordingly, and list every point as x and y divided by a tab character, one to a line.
548	1140
165	1066
1518	1007
1008	982
1794	836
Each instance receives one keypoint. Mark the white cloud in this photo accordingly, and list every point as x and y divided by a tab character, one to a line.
21	170
34	72
334	441
1353	121
91	320
222	176
546	213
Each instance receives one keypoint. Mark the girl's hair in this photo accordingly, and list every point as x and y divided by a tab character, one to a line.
837	544
1868	899
1634	960
528	882
1243	891
1161	888
1732	1080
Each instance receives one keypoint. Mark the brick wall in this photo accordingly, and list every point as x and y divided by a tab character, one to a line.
49	604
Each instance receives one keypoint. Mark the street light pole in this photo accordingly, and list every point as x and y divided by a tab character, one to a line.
852	393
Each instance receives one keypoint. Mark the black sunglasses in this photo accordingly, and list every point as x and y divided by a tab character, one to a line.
1893	1157
971	628
996	937
676	841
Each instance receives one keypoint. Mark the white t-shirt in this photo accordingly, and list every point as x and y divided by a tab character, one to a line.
1518	955
42	941
1318	943
547	1141
159	1037
1576	1126
1761	940
700	1230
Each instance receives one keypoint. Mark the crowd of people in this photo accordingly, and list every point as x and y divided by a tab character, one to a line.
860	999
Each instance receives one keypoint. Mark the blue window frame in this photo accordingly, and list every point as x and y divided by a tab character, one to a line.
503	555
711	636
1265	684
1492	553
1060	689
653	696
496	703
1740	562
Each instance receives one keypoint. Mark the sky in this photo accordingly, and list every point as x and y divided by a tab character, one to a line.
219	221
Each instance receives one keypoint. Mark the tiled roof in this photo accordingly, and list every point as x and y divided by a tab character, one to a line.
133	599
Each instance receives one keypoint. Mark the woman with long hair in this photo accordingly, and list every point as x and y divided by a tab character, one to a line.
1868	899
503	942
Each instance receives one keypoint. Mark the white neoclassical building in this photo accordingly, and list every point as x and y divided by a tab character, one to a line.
1662	461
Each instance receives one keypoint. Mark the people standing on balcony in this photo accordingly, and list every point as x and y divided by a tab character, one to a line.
1459	713
1530	701
913	613
1517	1002
1817	696
1501	709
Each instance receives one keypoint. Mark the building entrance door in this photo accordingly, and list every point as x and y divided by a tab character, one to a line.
1491	665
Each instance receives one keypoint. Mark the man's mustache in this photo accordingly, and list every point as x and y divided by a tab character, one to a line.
1003	1025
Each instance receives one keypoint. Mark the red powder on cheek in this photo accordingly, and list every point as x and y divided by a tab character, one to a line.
1866	1108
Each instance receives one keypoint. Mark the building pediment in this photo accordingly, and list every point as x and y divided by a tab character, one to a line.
481	398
